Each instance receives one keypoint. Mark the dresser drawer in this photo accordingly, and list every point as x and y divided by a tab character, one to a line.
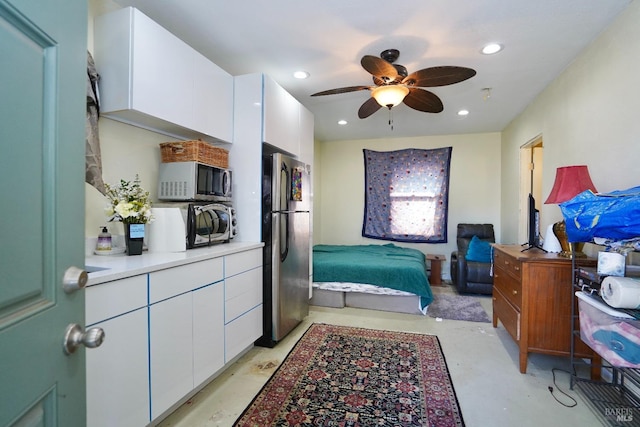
509	264
508	314
509	286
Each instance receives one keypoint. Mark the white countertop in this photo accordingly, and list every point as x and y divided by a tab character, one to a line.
122	266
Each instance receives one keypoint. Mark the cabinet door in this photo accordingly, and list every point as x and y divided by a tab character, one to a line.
306	136
117	373
212	110
208	332
162	72
171	343
281	118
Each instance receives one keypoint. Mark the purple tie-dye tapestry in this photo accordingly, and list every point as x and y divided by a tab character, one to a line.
407	195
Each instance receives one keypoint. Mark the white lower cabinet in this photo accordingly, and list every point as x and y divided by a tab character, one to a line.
167	333
117	374
208	332
170	343
117	371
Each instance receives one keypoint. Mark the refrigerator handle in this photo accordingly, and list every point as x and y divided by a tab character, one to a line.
284	240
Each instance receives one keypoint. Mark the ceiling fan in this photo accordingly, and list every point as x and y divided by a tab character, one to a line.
393	85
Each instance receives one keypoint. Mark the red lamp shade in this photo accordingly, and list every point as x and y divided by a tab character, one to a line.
570	181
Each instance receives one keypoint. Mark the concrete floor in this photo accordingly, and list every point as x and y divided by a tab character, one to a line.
483	363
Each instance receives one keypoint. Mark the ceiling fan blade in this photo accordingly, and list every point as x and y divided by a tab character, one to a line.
423	100
379	68
341	90
369	107
438	76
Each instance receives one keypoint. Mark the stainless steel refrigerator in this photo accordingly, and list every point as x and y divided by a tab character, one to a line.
285	233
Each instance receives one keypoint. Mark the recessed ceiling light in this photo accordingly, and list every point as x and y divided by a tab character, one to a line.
342	122
300	74
491	48
463	112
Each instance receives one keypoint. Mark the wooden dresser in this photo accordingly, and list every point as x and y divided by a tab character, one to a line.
532	298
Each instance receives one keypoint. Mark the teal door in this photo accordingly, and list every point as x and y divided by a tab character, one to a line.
43	51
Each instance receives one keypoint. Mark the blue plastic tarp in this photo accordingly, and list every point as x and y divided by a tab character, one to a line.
614	215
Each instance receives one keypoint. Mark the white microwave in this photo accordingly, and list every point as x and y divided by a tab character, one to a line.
194	181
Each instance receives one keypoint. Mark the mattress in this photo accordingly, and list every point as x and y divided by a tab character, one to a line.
382	270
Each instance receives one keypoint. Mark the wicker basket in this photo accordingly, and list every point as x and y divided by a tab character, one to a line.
194	151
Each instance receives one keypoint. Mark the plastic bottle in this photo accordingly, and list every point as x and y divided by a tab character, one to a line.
104	240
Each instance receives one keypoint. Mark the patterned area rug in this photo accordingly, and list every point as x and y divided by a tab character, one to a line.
352	377
457	307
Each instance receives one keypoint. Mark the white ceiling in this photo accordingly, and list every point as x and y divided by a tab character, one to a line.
328	38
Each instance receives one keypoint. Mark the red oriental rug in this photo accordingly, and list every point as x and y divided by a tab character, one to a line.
345	376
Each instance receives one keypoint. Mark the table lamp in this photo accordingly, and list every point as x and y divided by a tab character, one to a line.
570	181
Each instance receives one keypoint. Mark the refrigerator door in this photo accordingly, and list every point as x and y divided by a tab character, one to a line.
290	185
286	236
290	269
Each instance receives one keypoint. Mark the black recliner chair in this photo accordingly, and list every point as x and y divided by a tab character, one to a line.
470	276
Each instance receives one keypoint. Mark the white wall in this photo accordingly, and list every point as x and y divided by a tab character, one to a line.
474	184
588	115
126	151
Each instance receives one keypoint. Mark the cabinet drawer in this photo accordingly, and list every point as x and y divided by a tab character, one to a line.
242	293
242	261
509	264
508	315
510	287
242	332
111	299
177	280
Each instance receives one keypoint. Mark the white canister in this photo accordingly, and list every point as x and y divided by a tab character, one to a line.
167	231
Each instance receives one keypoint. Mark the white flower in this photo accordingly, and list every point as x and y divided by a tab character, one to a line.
129	203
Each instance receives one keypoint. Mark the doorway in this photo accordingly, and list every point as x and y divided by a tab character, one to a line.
531	157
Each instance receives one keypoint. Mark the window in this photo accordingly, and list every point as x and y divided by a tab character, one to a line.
407	195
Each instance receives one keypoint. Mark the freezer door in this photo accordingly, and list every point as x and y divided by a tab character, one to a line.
290	281
290	186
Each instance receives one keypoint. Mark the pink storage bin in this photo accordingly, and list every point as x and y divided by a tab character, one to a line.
615	338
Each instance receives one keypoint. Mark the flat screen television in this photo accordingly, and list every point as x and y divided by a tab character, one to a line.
533	219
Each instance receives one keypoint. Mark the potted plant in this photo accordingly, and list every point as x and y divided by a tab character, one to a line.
129	203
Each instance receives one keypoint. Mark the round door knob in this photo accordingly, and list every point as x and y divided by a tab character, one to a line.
514	292
74	278
74	337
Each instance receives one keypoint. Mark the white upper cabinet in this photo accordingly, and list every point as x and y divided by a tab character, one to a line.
281	118
306	136
152	79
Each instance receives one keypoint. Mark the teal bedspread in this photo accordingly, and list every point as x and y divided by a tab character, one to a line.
388	265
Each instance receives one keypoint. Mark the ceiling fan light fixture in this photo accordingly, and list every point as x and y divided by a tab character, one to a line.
389	95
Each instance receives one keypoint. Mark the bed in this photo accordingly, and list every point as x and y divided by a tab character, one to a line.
378	277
